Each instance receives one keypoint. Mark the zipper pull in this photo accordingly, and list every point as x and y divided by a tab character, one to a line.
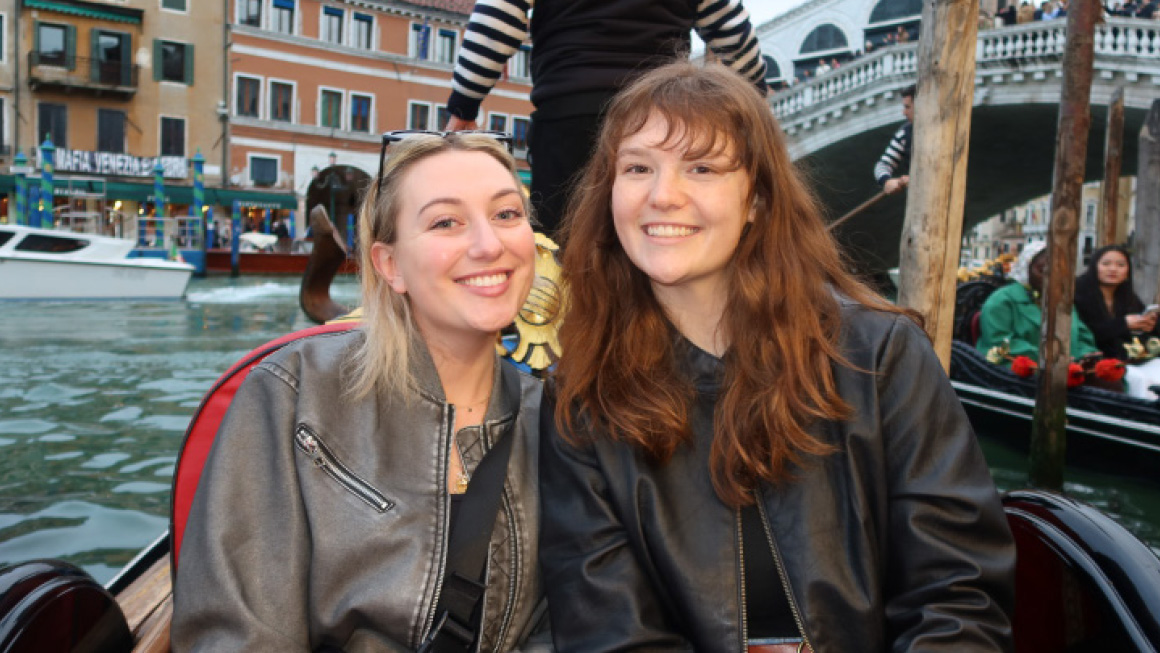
310	445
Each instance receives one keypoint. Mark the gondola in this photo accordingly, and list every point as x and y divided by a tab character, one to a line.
1075	566
1107	431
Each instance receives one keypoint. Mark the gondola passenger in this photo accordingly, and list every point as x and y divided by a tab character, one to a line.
1012	314
327	507
1107	302
744	446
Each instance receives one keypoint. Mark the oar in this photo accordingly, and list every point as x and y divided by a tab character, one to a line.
857	209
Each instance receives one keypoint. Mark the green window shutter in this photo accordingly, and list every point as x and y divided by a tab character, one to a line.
156	60
127	61
70	45
95	55
189	64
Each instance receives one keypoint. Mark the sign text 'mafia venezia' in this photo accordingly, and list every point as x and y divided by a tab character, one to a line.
123	165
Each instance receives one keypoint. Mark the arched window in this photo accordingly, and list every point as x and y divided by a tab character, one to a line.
823	38
891	10
772	72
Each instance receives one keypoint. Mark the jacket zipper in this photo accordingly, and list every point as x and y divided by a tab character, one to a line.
741	584
797	617
325	460
449	421
510	607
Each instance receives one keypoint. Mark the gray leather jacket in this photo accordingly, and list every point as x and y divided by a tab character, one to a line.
322	522
897	542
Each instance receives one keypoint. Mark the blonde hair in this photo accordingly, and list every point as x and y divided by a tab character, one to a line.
382	361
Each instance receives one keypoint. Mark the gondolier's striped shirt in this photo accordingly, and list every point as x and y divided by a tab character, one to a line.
498	28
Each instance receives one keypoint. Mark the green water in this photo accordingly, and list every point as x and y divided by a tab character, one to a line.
95	397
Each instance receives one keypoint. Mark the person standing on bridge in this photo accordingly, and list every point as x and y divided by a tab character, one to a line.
585	51
893	170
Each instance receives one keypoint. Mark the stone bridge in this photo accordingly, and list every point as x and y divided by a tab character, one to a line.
839	123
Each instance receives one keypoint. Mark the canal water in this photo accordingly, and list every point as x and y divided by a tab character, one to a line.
95	398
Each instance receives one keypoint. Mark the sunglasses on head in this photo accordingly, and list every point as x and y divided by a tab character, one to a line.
399	135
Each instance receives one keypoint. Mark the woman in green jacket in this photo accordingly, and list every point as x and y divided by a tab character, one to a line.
1012	313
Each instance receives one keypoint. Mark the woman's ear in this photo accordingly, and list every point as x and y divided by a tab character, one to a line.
383	259
754	207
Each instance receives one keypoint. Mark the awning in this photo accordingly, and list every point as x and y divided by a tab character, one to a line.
255	198
224	197
88	10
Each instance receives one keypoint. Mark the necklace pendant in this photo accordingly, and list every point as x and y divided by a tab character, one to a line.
461	483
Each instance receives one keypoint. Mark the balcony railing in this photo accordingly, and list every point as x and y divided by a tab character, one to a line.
97	76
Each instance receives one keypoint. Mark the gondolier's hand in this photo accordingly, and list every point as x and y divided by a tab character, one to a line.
896	184
457	124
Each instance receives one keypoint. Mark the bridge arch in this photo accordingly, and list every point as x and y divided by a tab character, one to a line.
838	125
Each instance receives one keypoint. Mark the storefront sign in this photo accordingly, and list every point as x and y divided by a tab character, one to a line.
122	165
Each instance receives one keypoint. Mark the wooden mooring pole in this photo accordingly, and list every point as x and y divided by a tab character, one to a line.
1107	226
1147	240
932	232
1048	424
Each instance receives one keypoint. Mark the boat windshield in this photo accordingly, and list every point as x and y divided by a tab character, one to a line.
5	236
50	244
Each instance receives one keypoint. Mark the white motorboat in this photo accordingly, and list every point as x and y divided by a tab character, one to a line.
51	264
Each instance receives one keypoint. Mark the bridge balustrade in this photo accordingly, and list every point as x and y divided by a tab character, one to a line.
1012	46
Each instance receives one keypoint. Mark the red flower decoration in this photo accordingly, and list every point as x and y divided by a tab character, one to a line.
1023	366
1075	375
1110	369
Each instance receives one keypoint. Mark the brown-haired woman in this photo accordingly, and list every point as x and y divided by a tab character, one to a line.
749	448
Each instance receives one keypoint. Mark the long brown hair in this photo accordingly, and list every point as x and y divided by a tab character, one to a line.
782	319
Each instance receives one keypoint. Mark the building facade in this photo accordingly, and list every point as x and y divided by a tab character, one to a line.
118	88
314	83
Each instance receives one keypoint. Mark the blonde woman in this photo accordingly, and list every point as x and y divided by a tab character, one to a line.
326	508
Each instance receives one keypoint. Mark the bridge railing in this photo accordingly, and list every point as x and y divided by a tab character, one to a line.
1016	45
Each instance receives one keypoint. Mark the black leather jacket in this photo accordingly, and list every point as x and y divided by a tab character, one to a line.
897	542
322	522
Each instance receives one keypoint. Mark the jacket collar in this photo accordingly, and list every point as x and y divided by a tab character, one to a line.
704	369
505	388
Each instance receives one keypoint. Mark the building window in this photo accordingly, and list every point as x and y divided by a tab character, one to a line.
112	58
420	38
283	16
250	12
172	61
445	46
518	65
520	127
55	45
360	113
281	101
111	131
172	136
3	34
246	92
497	122
263	171
363	31
330	109
331	25
52	124
176	5
418	116
442	115
3	129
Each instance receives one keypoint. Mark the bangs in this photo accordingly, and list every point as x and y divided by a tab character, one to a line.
698	120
